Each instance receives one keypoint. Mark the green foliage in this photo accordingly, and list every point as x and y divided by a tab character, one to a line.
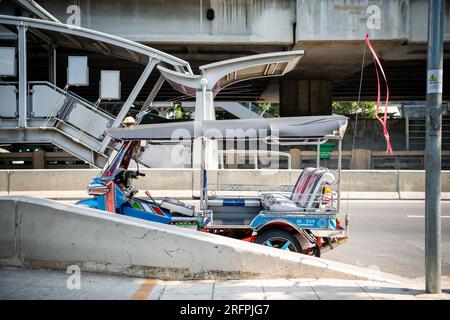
365	109
271	108
180	114
224	115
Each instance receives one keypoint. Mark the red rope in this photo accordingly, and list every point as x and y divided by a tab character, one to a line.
383	121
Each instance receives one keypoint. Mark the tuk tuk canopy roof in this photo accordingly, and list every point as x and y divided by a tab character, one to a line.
314	127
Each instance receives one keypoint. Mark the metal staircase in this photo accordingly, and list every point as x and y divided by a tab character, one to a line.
40	112
57	116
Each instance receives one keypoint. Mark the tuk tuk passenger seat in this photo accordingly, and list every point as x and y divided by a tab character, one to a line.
304	194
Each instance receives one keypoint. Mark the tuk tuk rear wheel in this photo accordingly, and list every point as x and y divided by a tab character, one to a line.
280	239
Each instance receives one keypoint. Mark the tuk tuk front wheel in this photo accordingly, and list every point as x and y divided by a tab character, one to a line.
280	239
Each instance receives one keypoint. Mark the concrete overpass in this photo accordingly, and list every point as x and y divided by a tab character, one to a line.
330	32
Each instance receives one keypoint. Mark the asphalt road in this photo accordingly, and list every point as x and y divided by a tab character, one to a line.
390	236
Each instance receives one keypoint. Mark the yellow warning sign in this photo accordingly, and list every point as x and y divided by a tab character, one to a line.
435	83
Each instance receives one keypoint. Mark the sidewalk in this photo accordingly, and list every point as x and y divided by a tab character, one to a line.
52	284
293	289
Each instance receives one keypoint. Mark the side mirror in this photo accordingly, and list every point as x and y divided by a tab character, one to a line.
97	189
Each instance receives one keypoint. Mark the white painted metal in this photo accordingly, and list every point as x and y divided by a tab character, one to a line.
110	85
93	35
45	100
7	61
9	101
130	100
22	48
77	71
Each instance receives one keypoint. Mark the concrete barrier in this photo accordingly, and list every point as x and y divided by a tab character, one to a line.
42	233
184	183
56	183
4	182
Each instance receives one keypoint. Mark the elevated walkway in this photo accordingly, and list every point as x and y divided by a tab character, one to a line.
42	112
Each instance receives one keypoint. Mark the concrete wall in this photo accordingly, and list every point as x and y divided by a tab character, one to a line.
54	235
184	183
369	135
348	20
241	21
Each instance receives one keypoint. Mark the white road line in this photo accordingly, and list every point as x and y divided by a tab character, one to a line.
443	217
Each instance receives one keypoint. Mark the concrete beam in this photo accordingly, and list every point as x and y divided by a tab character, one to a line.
40	233
305	97
261	22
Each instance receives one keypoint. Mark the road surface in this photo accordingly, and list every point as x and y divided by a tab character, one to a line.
390	236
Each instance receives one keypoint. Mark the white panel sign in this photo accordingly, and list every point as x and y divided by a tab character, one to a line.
8	105
435	81
77	71
7	61
110	85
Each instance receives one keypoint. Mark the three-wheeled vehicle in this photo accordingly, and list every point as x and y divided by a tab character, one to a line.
307	220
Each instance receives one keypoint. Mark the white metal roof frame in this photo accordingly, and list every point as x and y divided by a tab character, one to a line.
225	73
75	32
36	9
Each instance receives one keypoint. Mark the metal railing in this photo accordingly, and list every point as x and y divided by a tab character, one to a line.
75	124
374	160
229	159
41	160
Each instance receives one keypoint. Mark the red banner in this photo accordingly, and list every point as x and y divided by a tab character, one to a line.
383	121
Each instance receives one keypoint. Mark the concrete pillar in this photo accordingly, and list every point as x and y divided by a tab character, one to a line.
361	159
305	98
39	159
295	158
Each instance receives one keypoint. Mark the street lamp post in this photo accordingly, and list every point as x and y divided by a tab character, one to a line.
433	147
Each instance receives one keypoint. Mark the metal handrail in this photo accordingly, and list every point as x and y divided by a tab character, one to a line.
73	95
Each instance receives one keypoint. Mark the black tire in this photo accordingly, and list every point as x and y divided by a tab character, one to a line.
277	238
